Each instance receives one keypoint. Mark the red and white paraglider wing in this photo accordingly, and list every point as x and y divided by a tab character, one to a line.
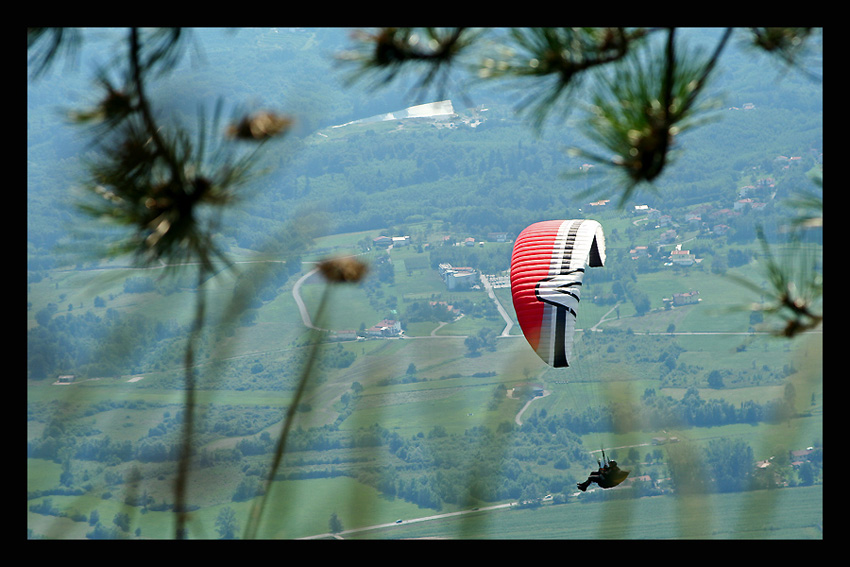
547	269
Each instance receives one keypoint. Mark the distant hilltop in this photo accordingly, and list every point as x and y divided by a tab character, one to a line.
439	109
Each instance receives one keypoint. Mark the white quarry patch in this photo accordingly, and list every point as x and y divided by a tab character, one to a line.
439	109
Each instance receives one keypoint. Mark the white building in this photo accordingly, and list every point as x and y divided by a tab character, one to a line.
386	328
458	278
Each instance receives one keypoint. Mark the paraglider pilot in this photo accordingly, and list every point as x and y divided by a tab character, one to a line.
609	475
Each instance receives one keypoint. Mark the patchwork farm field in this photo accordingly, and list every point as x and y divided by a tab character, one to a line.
420	399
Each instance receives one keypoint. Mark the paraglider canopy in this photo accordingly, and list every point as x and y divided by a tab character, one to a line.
547	268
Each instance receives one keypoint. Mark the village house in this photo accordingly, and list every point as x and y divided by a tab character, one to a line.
789	161
448	307
687	298
382	242
385	328
766	183
639	252
387	241
724	213
682	258
679	299
741	204
746	190
801	456
526	389
642	478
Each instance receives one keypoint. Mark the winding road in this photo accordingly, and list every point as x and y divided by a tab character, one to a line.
518	418
296	295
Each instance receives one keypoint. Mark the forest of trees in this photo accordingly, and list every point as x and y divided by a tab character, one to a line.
464	176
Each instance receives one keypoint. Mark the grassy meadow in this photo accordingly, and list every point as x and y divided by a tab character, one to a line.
747	515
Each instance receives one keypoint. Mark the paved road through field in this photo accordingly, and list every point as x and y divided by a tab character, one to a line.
343	533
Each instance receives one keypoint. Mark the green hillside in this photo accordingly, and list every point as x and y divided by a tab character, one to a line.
672	364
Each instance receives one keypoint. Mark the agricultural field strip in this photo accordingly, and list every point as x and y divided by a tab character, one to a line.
414	395
413	521
305	315
505	333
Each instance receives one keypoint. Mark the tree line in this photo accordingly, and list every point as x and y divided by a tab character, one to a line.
435	468
656	412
